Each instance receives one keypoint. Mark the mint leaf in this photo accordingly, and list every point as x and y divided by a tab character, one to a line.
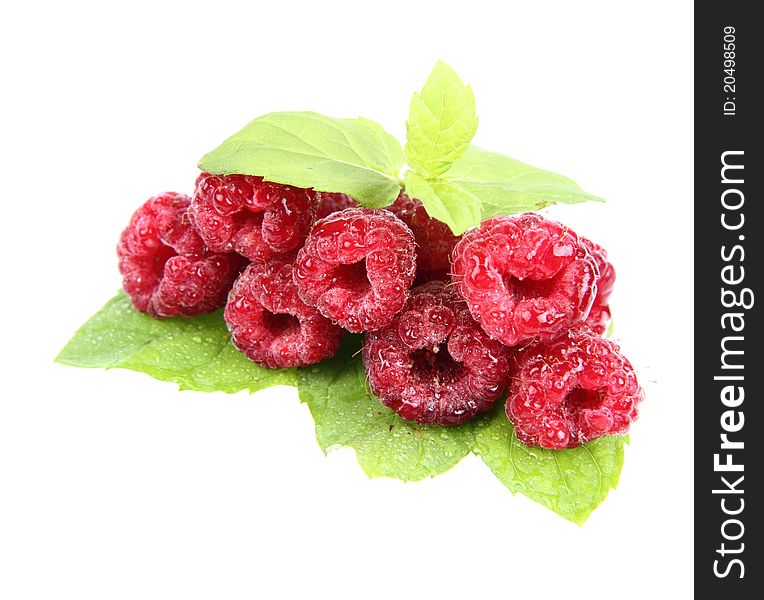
461	184
483	184
196	353
306	149
507	186
347	414
442	122
570	482
445	201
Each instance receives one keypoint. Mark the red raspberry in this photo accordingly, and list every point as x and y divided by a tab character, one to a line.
356	268
433	363
434	239
255	218
271	325
524	277
331	203
166	268
599	316
568	392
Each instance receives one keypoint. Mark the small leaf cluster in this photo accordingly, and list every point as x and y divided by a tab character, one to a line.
458	183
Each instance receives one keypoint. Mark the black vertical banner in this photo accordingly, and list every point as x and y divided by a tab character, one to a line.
729	235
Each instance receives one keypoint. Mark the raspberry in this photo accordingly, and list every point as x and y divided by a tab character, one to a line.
571	391
356	268
271	325
524	277
599	316
166	268
255	218
433	363
331	203
433	238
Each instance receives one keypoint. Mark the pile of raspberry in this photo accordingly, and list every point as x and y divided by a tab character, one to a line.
516	306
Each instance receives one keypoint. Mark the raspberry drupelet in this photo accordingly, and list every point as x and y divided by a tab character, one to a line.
599	316
565	393
166	268
271	325
330	202
252	217
524	277
356	268
433	363
434	239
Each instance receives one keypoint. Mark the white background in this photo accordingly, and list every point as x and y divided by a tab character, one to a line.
113	485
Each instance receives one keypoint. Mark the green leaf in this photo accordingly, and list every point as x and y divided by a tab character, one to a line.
442	122
347	414
570	482
483	184
445	201
306	149
196	353
506	186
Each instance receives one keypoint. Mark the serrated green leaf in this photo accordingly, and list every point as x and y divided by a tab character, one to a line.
196	353
506	186
483	184
442	122
306	149
347	414
570	482
445	201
